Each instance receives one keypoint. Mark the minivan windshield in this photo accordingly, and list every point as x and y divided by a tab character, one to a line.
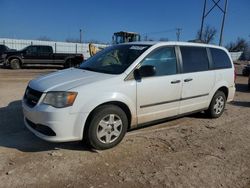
114	59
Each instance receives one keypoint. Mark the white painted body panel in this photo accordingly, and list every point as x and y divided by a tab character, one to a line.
158	90
200	85
95	89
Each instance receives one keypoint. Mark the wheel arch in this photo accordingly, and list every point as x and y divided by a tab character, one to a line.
224	89
69	58
120	104
15	57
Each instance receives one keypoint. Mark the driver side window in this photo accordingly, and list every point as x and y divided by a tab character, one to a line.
164	61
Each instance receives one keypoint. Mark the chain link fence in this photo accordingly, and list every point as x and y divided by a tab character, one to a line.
58	47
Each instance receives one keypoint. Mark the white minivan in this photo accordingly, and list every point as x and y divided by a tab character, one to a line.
128	85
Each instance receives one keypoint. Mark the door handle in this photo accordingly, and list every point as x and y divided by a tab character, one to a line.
175	81
188	79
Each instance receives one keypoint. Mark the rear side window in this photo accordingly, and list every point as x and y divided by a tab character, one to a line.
194	59
220	59
44	49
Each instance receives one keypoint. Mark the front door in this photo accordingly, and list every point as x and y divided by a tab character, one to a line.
159	96
30	55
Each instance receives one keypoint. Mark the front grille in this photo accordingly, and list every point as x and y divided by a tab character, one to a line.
31	97
41	128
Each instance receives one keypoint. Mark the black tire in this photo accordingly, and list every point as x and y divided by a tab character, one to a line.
15	64
219	99
69	63
245	72
95	129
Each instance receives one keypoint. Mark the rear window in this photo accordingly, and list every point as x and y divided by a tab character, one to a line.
220	59
194	59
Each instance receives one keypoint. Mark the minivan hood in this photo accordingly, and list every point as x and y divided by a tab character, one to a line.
66	79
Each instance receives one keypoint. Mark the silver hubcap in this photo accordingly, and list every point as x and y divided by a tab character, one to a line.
219	105
109	128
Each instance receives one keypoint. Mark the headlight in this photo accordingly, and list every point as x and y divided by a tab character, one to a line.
60	99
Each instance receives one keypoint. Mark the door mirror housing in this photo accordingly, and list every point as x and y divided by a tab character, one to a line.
145	71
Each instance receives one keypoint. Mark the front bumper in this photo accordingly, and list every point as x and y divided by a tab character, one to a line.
66	126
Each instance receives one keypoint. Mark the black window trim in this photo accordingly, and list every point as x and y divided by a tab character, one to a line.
178	67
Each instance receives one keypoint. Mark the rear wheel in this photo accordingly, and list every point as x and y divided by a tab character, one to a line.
15	64
69	63
217	105
107	127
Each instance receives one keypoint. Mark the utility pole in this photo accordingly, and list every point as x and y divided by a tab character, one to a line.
80	35
202	19
206	13
178	33
223	22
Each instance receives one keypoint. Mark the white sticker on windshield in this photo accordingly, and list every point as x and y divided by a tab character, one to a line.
137	47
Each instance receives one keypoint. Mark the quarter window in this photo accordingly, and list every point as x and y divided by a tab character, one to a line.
194	59
164	61
220	59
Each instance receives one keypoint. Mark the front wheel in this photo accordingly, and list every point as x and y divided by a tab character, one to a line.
107	127
217	105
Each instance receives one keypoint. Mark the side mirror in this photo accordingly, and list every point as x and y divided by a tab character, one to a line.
145	71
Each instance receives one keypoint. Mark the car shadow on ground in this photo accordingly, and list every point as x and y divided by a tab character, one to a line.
242	88
14	134
199	115
241	103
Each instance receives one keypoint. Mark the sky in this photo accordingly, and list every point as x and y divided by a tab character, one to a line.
62	19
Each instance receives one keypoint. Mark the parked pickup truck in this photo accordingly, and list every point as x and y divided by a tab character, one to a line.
3	50
40	54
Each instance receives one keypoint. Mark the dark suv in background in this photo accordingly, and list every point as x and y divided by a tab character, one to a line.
4	49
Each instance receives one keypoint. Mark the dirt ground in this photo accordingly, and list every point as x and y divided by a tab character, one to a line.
192	151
